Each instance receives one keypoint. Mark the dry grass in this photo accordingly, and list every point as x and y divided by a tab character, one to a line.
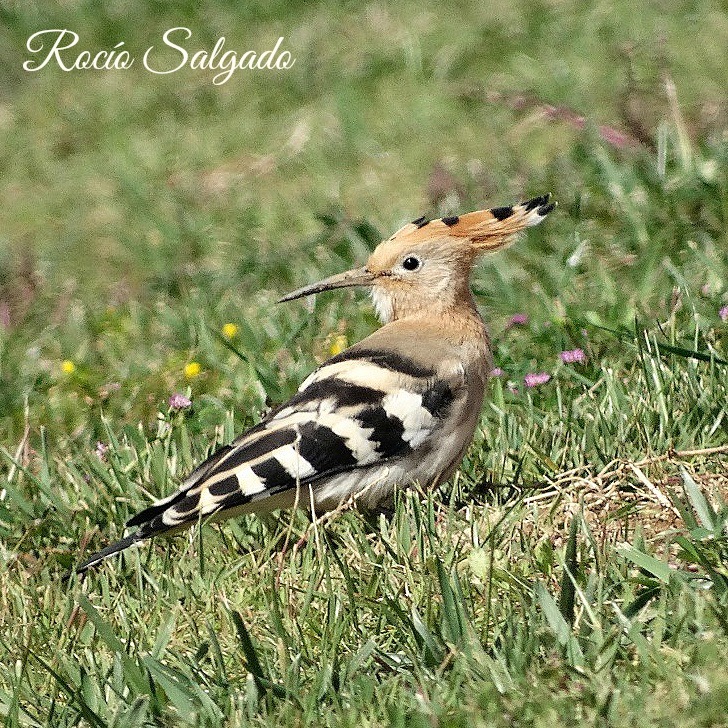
629	496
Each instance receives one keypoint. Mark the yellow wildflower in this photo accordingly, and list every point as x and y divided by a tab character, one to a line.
338	345
229	330
68	367
192	369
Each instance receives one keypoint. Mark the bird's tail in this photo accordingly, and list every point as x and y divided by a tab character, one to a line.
147	529
150	521
114	548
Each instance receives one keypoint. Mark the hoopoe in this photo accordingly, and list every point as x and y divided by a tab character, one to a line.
399	407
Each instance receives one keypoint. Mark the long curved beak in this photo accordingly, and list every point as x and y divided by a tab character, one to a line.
356	277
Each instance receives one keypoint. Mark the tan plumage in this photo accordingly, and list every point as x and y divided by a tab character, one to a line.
399	407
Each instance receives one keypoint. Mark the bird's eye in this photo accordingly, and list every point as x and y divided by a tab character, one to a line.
411	263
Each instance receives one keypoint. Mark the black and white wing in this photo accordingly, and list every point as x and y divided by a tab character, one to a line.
359	411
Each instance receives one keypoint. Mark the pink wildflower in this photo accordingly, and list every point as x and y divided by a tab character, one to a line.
101	449
723	313
496	372
179	401
573	356
518	319
533	379
613	136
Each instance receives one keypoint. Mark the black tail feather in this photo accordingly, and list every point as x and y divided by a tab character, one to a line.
114	548
153	527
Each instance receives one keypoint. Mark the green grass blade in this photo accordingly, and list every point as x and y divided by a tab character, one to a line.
658	569
706	515
568	589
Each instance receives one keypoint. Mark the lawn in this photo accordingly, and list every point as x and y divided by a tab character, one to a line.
574	571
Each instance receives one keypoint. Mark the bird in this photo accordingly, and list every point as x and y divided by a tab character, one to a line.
398	408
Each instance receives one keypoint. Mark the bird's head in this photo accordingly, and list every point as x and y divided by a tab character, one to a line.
425	266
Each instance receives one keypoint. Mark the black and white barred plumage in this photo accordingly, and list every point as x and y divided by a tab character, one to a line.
399	407
362	417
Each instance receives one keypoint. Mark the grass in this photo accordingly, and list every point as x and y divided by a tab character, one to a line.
572	572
